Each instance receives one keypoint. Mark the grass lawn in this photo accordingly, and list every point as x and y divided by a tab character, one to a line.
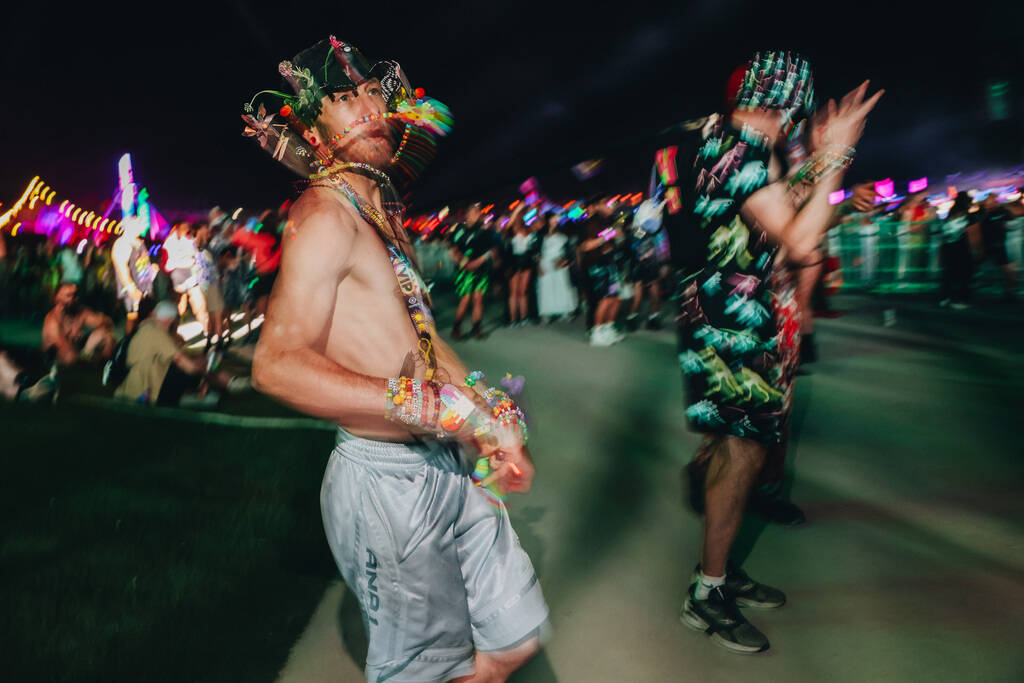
143	549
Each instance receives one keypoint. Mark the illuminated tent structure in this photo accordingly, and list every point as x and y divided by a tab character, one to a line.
38	211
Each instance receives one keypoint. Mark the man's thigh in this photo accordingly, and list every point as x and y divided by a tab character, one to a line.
392	537
506	604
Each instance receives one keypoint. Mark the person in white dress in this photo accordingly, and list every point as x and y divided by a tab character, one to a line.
555	293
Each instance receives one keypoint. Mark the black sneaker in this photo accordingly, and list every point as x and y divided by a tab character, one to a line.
654	322
720	618
776	509
746	591
632	322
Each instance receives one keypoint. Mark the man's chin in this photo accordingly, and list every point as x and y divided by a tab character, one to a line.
375	151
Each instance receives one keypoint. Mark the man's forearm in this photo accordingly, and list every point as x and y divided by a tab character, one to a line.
124	278
313	384
813	219
448	363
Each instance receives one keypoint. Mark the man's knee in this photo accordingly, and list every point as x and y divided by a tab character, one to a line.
503	664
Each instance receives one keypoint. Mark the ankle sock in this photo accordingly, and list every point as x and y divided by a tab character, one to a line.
705	584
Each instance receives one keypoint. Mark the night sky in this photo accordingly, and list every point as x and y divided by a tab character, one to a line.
533	86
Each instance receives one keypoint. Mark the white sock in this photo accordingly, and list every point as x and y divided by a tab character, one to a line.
705	583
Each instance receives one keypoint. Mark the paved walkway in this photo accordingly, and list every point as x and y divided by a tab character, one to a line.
907	459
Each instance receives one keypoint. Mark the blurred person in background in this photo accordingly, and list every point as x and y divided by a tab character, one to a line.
955	255
521	251
209	283
73	332
237	278
70	265
556	297
261	240
993	218
17	384
183	269
475	252
646	271
161	372
598	255
135	272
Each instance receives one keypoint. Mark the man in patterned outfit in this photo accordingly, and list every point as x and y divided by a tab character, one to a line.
729	221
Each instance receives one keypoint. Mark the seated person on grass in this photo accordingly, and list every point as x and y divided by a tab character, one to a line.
161	371
16	384
74	332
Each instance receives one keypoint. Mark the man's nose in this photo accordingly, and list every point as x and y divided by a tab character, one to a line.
366	105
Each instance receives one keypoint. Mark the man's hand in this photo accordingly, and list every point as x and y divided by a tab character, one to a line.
510	461
843	124
863	197
512	469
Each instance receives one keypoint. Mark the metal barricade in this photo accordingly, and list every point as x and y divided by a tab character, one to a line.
887	255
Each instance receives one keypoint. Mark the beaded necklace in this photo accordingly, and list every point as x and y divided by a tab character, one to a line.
409	282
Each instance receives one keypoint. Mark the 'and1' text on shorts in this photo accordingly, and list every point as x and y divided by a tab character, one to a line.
435	564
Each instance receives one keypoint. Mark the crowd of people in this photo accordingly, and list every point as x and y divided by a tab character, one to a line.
221	270
605	261
734	232
550	267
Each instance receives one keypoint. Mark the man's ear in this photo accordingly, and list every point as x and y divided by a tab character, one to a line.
312	136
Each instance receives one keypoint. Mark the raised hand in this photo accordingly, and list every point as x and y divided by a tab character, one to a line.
843	124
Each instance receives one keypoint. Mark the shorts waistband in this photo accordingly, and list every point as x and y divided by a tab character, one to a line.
390	454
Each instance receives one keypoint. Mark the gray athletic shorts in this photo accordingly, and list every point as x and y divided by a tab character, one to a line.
436	566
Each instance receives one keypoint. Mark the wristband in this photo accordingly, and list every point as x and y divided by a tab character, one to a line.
457	408
824	163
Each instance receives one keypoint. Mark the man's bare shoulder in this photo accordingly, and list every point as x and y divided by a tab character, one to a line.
320	234
51	324
320	210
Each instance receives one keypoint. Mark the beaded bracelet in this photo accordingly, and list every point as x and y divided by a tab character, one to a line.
504	410
824	163
435	424
417	402
390	401
404	393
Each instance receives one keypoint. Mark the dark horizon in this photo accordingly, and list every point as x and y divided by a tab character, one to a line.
532	89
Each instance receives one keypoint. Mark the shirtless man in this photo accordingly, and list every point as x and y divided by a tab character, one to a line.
135	272
446	591
75	332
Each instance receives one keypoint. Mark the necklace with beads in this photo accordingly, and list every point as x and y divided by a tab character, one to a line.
410	285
